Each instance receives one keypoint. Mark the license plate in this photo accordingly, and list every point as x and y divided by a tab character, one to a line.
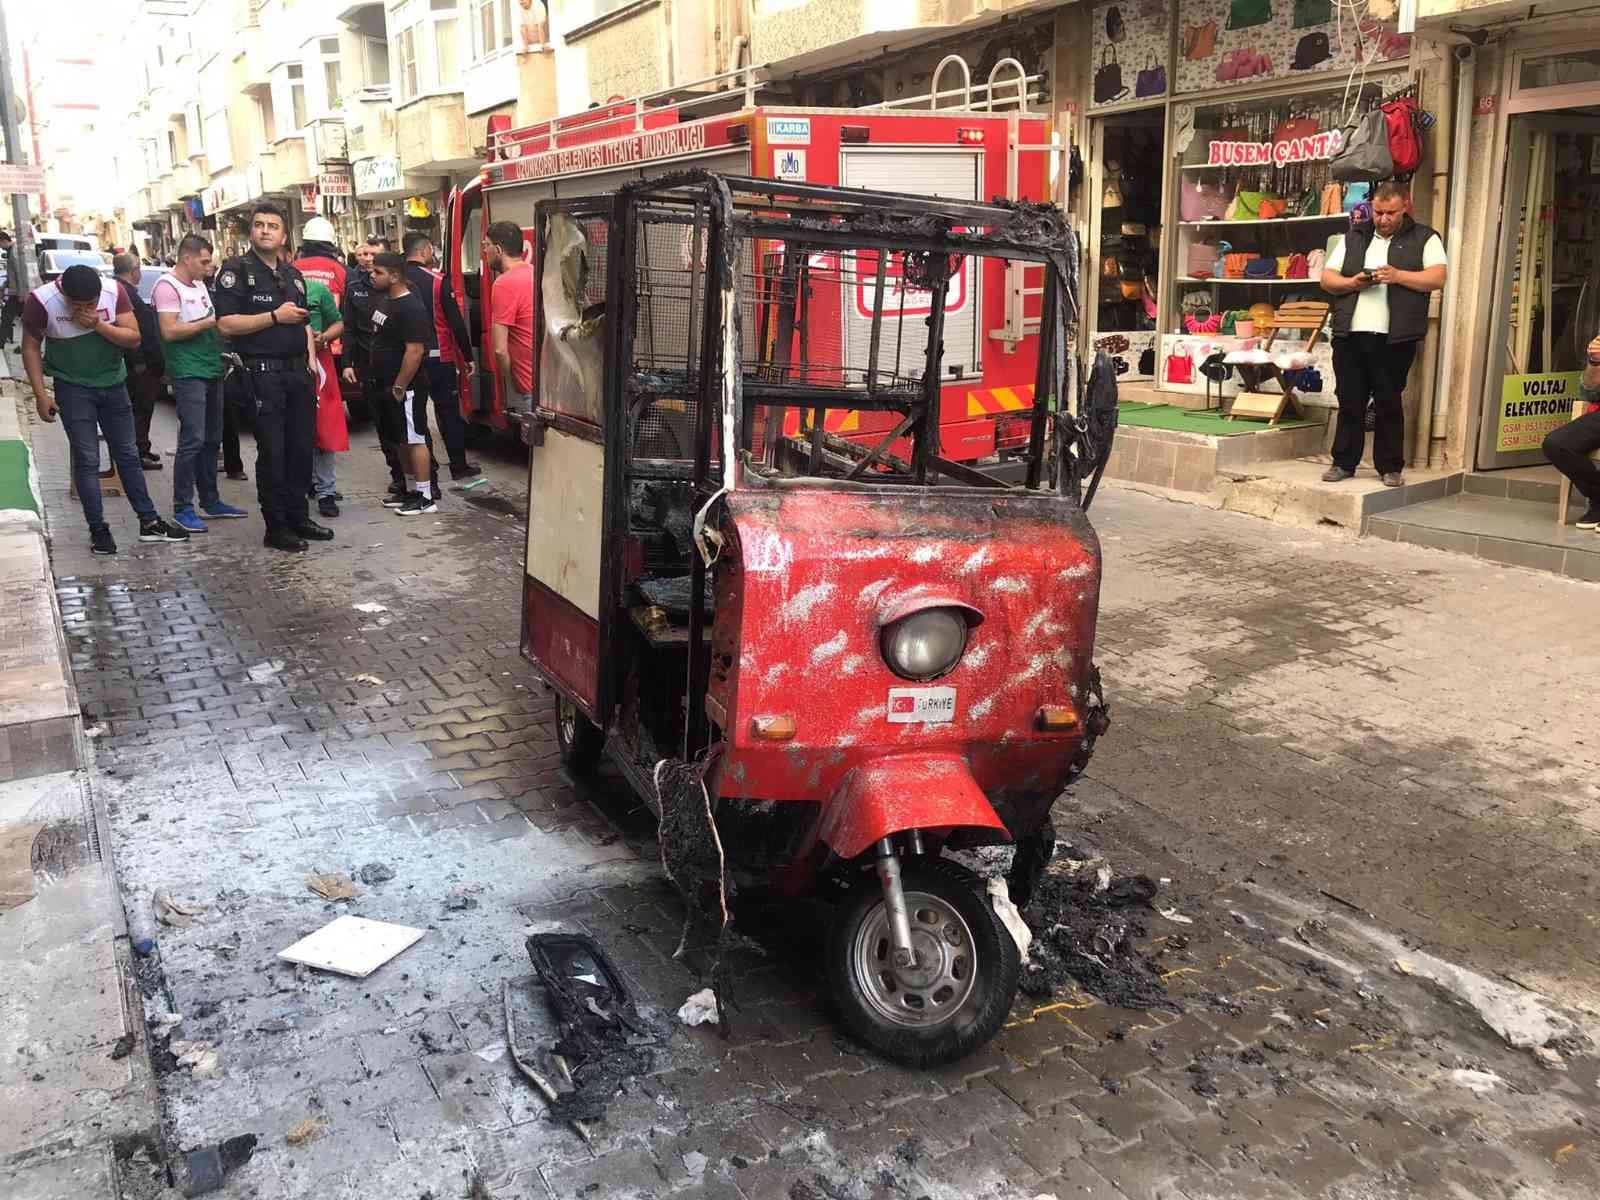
927	706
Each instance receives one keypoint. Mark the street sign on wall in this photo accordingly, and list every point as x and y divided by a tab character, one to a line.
15	177
332	184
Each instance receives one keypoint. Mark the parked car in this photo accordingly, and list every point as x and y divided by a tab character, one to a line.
53	262
148	278
64	241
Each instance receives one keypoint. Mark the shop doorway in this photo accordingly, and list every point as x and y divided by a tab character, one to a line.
1547	303
1127	161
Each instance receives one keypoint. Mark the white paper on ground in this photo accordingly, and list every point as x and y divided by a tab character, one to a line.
352	946
1000	901
699	1009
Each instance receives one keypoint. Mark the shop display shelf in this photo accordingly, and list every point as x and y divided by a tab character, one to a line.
1223	279
1272	221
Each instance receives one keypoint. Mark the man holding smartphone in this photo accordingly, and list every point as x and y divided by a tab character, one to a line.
1380	315
1569	447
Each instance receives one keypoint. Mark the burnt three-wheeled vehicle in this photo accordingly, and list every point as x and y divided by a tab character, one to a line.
816	647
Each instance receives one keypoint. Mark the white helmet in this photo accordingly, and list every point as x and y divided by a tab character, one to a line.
318	229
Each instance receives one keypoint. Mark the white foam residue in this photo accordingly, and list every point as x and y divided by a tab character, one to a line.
976	656
983	707
831	648
975	560
798	606
873	590
851	664
1008	584
927	554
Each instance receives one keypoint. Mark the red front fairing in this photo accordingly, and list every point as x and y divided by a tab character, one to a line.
808	578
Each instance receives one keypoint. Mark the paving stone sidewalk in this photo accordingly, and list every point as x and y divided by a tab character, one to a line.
269	717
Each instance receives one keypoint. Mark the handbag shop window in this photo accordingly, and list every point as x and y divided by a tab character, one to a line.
1258	205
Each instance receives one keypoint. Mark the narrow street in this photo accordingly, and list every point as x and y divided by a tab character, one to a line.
1338	758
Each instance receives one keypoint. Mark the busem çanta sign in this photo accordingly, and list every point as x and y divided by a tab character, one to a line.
1312	148
1532	406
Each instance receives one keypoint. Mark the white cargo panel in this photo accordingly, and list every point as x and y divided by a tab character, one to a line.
954	175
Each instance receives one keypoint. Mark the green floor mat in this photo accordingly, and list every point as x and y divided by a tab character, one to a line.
14	489
1185	420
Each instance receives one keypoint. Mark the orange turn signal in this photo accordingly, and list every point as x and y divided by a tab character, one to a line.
773	729
1057	716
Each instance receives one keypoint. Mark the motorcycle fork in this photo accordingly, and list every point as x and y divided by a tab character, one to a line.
894	900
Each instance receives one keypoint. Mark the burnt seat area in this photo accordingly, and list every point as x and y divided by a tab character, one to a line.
661	527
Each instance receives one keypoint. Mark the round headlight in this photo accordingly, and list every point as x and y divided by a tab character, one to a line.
926	644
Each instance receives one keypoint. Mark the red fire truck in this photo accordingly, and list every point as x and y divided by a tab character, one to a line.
966	141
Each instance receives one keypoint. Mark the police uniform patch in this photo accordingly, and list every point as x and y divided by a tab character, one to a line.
227	279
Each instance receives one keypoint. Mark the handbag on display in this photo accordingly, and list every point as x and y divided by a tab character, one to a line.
1211	324
1261	268
1202	258
1307	204
1115	30
1147	361
1180	366
1332	200
1152	80
1312	50
1246	206
1316	261
1299	267
1200	41
1108	78
1109	268
1365	153
1111	196
1355	195
1405	146
1311	12
1152	10
1296	127
1233	265
1197	202
1216	370
1283	261
1247	14
1272	207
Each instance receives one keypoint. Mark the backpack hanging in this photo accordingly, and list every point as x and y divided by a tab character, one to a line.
1115	31
1200	41
1312	12
1108	78
1247	14
1364	157
1312	50
1405	146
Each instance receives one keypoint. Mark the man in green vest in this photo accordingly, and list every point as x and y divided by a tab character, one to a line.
194	364
75	329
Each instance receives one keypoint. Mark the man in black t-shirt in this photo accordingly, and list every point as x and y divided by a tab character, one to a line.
400	330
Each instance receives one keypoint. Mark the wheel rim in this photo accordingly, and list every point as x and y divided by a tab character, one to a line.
567	720
935	989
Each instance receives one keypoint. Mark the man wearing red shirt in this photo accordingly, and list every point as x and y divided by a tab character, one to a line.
511	307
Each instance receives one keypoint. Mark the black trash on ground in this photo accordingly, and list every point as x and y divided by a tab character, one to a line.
602	1038
1084	922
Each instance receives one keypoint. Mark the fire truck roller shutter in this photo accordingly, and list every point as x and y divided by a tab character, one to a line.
955	175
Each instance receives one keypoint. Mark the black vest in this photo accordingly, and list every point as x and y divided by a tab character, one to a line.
1408	310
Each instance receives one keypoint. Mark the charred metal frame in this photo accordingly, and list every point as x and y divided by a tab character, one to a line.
726	213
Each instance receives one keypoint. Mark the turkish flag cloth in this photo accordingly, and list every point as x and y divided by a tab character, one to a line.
332	433
903	704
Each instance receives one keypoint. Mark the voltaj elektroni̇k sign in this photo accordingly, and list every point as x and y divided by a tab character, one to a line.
1532	406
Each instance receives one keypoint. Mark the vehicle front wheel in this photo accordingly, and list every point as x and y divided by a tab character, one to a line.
577	738
960	988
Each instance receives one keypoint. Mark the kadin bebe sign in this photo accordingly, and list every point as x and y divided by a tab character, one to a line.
1312	148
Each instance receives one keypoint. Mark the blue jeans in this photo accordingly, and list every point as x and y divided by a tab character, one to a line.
87	412
199	404
323	483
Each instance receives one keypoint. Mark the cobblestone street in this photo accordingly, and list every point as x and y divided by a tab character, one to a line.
1333	754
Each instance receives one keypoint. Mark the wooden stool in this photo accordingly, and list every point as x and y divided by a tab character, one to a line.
1268	406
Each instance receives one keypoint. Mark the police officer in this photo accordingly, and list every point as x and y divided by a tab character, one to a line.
261	309
360	301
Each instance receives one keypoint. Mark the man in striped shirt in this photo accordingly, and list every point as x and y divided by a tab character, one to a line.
75	330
